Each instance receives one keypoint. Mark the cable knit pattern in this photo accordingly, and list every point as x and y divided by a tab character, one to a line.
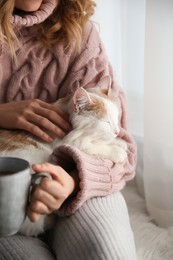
49	75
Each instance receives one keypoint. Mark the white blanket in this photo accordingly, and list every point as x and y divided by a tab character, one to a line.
152	242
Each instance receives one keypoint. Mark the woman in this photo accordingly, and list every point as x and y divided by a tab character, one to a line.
48	48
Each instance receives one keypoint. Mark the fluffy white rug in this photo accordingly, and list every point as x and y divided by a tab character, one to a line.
152	242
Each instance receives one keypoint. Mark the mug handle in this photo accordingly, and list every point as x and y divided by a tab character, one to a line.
36	178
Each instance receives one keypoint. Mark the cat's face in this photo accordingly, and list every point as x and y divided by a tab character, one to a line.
96	103
93	103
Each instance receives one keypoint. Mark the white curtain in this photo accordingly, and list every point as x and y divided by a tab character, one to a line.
133	45
138	36
158	152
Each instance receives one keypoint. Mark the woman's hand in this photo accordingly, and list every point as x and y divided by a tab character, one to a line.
36	117
49	195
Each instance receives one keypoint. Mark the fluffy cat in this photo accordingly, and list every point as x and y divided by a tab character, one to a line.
94	117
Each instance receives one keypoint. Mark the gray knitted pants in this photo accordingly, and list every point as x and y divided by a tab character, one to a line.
99	230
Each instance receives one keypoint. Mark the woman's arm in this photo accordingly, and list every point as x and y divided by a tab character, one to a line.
36	117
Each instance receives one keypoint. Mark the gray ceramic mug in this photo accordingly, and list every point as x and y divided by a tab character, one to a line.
15	184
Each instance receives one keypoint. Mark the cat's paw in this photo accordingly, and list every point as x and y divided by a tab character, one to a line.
119	155
121	143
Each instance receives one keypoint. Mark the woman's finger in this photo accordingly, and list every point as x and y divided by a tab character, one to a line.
61	186
35	130
39	207
47	199
44	123
55	170
55	189
54	118
33	216
53	107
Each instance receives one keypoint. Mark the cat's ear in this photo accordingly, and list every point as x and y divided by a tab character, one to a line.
81	99
105	84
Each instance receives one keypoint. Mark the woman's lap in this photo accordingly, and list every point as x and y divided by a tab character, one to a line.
24	248
99	230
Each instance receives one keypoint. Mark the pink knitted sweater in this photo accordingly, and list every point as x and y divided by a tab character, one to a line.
48	75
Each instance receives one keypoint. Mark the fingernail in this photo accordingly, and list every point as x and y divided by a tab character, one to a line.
50	139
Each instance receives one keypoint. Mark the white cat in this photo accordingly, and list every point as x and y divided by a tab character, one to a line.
94	118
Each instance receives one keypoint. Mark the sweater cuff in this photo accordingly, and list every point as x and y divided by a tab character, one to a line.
94	174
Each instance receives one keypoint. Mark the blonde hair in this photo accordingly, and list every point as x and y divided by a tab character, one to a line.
65	23
7	34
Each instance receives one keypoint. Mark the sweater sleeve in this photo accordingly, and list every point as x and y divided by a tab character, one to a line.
97	177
